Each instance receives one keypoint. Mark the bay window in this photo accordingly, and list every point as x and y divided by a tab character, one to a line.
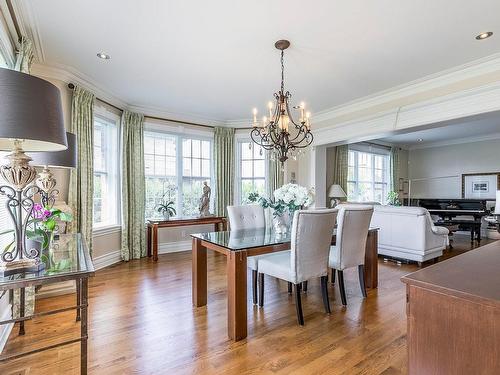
106	176
368	176
176	167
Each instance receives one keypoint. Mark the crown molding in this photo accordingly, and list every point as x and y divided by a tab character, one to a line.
488	64
457	141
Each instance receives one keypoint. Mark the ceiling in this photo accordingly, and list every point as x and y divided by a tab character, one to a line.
216	59
458	131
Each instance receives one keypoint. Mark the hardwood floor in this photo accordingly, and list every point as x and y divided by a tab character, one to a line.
142	322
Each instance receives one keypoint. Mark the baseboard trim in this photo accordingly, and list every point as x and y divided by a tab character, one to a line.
5	329
107	260
174	247
58	289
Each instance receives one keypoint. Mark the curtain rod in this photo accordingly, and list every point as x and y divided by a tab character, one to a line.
71	86
14	19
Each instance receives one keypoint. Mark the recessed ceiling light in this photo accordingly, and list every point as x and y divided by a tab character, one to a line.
103	56
484	35
420	140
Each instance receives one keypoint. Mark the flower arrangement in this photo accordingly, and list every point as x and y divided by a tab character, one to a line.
166	207
288	198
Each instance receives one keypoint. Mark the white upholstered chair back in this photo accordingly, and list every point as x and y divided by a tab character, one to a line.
246	217
310	243
353	222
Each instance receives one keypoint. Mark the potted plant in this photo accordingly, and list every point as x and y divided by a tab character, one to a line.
393	199
286	200
166	207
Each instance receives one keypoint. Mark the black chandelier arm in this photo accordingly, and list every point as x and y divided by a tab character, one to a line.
302	130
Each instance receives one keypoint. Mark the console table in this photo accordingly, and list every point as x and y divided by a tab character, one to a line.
69	260
219	222
453	312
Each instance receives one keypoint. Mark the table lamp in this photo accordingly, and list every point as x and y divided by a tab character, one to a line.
335	193
58	159
31	119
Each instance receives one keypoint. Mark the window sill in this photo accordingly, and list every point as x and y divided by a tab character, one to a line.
104	231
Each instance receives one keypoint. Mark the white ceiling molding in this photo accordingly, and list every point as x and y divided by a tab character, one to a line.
457	141
7	43
470	102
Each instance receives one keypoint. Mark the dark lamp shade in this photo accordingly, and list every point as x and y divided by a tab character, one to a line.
60	159
31	111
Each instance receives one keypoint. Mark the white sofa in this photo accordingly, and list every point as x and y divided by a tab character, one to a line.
408	233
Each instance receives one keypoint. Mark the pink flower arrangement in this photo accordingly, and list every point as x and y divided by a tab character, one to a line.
40	212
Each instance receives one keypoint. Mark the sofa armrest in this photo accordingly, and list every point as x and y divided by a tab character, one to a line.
440	230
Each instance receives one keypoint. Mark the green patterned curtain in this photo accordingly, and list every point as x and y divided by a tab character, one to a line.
81	189
25	56
224	169
275	177
394	165
23	64
133	187
341	163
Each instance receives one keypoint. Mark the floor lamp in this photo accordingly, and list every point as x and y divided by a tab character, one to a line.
31	119
58	159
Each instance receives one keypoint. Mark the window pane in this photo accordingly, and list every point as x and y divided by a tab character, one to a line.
171	167
160	165
379	175
205	168
350	173
364	174
258	152
196	148
186	148
259	168
149	144
246	168
205	150
159	146
351	192
186	167
379	161
196	167
246	150
170	150
352	155
365	192
149	164
191	192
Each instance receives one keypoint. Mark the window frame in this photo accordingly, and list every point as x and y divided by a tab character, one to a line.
179	160
239	166
356	181
109	117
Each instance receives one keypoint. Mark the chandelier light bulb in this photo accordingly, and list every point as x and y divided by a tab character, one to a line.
254	117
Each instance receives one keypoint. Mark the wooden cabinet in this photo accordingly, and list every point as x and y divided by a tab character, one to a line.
453	312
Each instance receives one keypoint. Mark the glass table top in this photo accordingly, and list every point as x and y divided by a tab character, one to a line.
67	257
249	238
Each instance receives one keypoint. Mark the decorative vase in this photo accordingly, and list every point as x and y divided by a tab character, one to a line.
280	224
166	215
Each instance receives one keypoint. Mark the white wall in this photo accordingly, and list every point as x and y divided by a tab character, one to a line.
436	172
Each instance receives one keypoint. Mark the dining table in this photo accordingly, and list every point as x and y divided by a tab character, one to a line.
237	246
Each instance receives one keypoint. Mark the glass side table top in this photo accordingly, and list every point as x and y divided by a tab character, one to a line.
68	257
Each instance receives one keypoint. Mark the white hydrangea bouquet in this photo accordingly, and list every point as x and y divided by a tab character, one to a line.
286	200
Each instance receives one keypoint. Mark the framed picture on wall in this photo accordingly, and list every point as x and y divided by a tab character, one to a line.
480	185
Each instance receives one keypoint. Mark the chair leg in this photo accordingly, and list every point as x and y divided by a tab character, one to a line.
290	288
343	297
298	304
324	292
304	286
254	286
261	289
361	273
333	275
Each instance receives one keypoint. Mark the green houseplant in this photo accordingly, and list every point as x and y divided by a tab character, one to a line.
393	199
166	207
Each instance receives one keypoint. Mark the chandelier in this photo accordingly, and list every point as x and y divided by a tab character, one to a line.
280	134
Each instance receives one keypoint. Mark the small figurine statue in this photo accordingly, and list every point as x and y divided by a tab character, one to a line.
205	200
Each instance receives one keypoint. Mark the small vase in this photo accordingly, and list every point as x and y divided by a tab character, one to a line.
166	215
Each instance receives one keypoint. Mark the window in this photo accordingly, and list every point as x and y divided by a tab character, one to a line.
106	177
368	177
176	167
5	220
251	170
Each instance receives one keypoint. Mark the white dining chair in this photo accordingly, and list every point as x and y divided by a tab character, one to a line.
308	257
244	218
353	222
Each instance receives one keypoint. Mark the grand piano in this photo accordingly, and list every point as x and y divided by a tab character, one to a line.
466	213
